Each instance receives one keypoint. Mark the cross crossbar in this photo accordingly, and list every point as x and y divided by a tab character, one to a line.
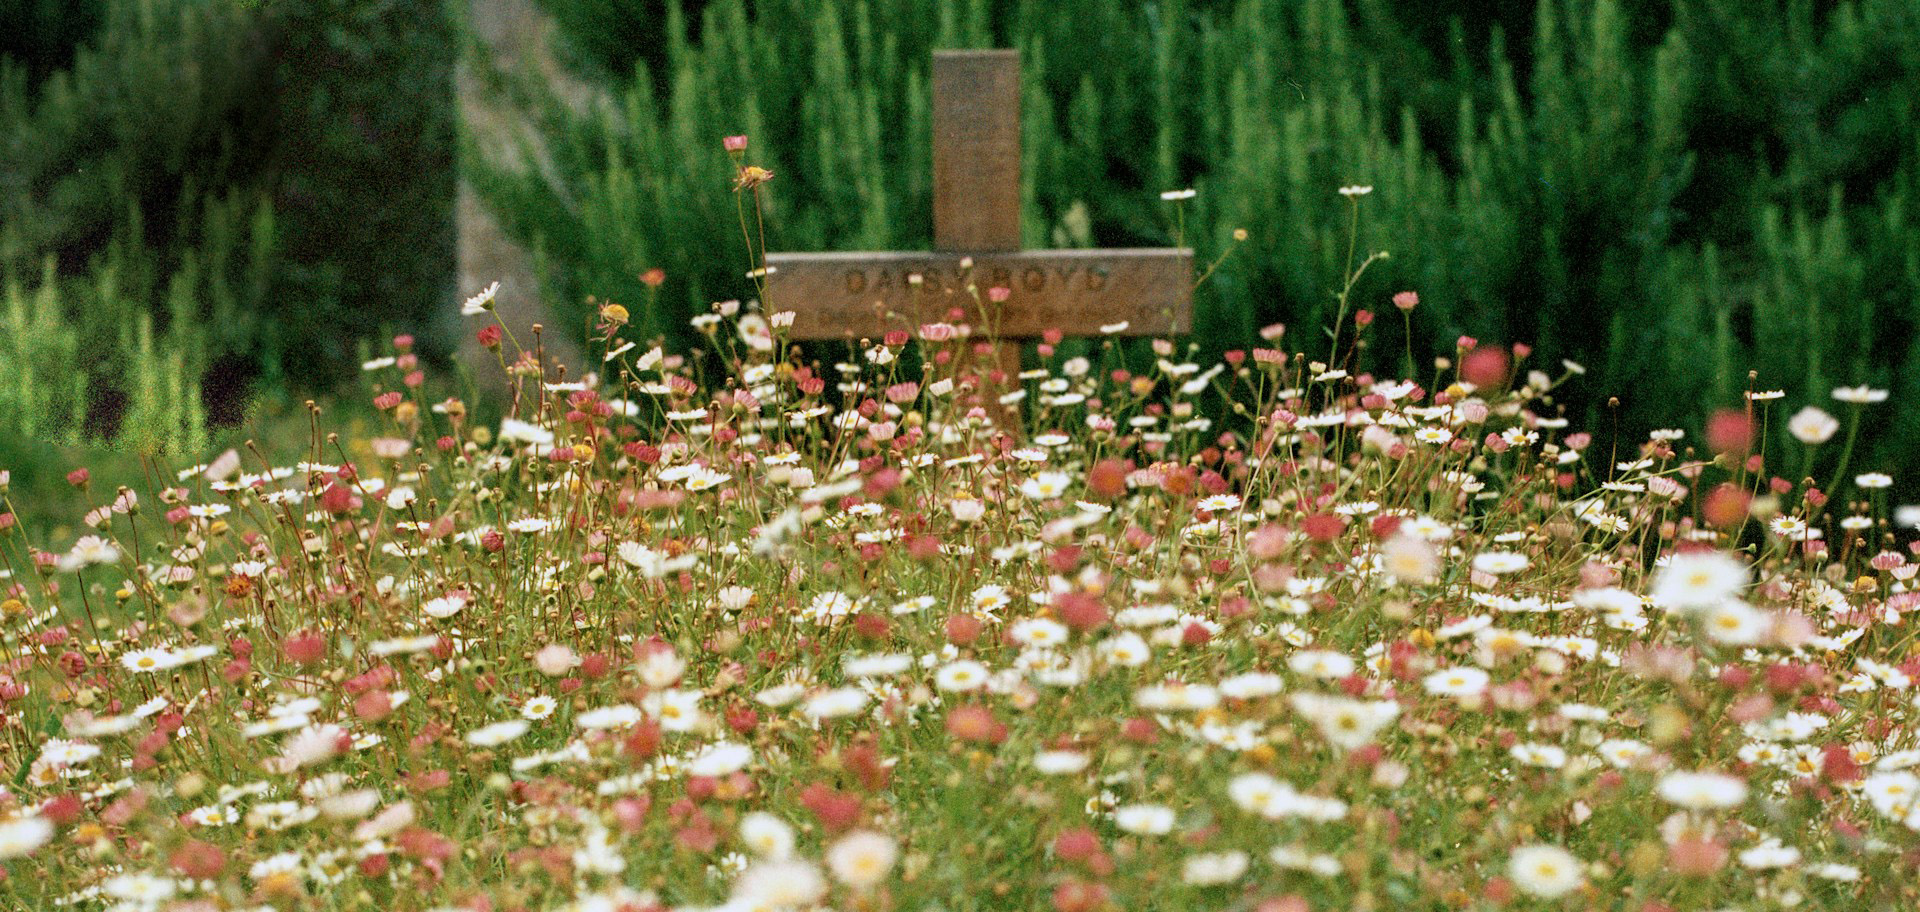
1140	291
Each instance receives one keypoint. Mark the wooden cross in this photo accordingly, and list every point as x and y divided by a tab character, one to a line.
976	215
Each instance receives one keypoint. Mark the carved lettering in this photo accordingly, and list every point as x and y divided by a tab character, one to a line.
940	279
1076	291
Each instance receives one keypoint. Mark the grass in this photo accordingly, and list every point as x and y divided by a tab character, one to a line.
1269	636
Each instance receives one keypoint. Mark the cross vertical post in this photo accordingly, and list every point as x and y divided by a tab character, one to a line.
976	151
976	167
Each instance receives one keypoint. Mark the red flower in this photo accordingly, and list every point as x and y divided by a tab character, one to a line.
198	860
1108	477
1079	896
837	810
1730	431
1485	367
975	723
338	499
963	629
1080	611
1837	764
743	719
1727	506
1324	527
864	761
425	845
304	646
871	626
373	706
1076	844
643	740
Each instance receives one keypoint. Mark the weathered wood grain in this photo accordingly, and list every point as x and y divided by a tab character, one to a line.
976	150
1079	292
976	239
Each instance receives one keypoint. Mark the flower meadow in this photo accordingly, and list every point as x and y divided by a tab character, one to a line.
734	630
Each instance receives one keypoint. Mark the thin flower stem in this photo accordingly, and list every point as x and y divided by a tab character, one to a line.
1846	449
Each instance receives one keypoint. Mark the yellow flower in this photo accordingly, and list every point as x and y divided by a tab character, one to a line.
752	176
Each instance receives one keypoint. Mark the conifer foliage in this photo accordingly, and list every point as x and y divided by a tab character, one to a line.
200	198
1669	192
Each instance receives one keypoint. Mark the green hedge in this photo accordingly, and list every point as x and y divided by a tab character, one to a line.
203	198
1671	192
